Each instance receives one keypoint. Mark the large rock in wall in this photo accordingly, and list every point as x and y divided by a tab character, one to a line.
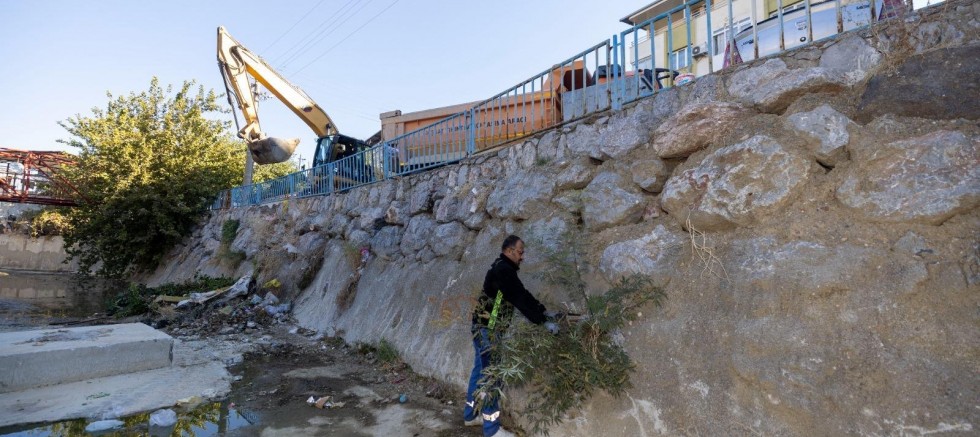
740	184
928	178
821	265
946	83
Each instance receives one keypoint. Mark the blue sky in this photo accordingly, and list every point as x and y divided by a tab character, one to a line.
356	58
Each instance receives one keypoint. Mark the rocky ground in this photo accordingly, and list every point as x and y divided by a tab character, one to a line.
283	368
370	391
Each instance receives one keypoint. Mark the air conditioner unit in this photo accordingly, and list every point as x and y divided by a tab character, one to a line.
698	51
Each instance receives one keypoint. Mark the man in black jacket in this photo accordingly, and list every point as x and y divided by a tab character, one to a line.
502	292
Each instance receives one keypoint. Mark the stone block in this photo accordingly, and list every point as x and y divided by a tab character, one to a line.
55	356
941	84
926	179
773	86
610	201
696	127
520	196
852	58
736	185
829	128
655	256
650	174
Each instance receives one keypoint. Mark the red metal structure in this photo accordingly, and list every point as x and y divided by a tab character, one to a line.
34	177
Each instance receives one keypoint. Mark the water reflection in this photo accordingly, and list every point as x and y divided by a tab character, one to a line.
30	299
207	419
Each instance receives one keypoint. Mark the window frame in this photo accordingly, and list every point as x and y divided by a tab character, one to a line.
718	44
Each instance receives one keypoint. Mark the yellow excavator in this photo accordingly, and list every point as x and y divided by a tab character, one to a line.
237	63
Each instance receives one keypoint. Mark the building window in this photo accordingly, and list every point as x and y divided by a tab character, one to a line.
679	59
720	39
786	9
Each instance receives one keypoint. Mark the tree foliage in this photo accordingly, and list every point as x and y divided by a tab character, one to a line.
49	221
266	172
148	164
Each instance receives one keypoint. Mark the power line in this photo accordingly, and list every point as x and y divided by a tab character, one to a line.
341	88
307	14
346	37
319	29
329	28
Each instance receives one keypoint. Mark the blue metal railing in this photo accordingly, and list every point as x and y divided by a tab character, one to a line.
625	68
443	142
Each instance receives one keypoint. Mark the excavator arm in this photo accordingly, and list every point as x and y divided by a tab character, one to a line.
237	63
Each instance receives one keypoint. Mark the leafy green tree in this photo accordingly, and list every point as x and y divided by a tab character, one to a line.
148	165
265	172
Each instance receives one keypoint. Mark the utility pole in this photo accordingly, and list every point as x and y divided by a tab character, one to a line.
249	162
249	165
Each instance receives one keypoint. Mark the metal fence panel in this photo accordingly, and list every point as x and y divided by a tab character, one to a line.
437	144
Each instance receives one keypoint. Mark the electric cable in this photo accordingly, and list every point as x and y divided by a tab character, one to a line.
346	37
307	14
329	28
314	33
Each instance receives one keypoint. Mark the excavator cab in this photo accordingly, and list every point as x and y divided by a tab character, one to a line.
350	167
335	147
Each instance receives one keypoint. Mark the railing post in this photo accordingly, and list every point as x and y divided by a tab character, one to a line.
782	31
384	161
809	22
687	23
710	38
618	76
471	132
755	32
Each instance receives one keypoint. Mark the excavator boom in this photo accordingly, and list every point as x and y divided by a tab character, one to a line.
237	63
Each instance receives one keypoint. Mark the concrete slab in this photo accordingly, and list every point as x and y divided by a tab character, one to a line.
198	370
39	358
115	396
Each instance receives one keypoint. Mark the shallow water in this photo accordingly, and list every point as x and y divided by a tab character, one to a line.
207	419
31	299
267	401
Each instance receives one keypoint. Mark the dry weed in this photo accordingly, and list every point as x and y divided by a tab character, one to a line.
346	297
357	258
703	253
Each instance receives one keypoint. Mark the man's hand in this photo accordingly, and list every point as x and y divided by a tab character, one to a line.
552	327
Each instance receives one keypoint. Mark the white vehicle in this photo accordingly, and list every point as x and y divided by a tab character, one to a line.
796	26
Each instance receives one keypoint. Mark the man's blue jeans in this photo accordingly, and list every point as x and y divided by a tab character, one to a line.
490	411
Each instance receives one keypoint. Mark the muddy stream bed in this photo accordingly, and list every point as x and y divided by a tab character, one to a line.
280	368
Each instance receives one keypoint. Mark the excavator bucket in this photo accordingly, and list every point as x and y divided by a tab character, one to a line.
271	150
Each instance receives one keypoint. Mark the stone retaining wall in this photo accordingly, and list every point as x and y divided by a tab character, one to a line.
812	217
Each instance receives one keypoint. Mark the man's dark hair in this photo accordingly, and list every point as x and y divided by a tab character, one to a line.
510	241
